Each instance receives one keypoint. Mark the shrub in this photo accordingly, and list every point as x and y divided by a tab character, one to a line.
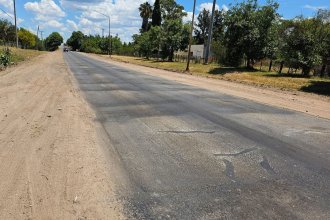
5	57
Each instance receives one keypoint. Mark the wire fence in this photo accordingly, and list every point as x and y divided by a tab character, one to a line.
9	44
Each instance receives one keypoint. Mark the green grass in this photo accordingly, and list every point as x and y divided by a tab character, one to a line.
18	55
292	82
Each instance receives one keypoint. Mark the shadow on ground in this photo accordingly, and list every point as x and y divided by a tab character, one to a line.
228	70
321	88
288	75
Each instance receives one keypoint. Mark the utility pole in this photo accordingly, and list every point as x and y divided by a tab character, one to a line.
41	35
110	41
102	32
191	33
37	38
42	40
15	24
208	47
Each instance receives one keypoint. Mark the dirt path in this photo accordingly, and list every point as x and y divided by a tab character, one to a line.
298	101
52	163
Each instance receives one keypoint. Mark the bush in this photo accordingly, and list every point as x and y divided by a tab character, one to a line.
5	58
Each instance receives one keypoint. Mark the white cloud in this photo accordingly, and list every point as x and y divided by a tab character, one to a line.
72	25
7	4
208	6
55	24
188	17
315	8
124	14
47	14
225	8
44	9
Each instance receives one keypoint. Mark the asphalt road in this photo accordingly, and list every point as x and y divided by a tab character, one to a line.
191	153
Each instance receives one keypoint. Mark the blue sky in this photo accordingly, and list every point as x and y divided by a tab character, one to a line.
66	16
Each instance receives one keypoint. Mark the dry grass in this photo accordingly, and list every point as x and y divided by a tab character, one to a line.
241	75
19	55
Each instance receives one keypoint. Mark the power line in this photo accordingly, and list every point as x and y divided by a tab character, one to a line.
6	13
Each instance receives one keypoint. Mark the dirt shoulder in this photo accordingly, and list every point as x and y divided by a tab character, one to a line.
53	164
298	101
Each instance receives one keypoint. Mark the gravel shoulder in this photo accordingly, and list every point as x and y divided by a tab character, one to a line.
312	104
54	164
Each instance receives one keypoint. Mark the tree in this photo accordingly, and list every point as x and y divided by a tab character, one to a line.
322	26
148	42
53	41
202	26
90	45
218	26
172	10
7	31
174	34
26	38
156	14
303	41
247	29
145	13
76	39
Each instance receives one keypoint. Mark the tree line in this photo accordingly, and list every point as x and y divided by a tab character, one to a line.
98	44
27	39
245	34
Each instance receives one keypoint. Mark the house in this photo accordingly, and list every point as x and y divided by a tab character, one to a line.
197	51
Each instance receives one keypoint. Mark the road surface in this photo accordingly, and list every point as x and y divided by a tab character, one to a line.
190	153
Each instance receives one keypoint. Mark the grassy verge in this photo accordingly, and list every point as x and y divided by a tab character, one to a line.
292	82
19	55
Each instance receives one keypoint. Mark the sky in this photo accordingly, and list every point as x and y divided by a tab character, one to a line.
89	16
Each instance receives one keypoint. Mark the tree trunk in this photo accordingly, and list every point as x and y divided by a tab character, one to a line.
145	24
170	57
270	65
306	70
249	64
281	67
323	70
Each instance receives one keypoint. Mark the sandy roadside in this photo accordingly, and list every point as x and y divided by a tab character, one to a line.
53	164
294	100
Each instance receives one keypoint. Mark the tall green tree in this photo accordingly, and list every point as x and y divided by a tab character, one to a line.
145	13
53	41
322	22
172	10
305	41
202	26
26	38
156	14
75	40
247	28
174	34
148	42
7	31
